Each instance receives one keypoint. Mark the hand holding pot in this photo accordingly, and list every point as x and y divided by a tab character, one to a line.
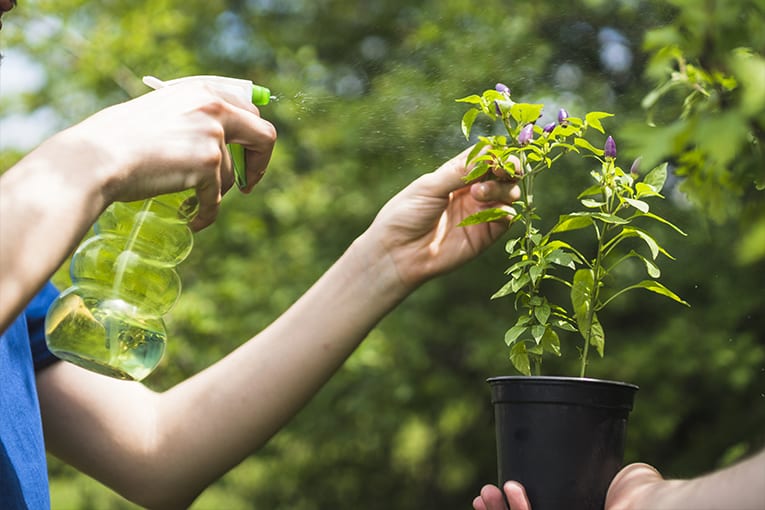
640	485
491	498
626	490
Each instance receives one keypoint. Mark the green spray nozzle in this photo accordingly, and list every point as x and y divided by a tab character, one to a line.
261	96
245	89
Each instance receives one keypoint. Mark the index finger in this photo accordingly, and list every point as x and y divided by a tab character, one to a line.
257	137
450	176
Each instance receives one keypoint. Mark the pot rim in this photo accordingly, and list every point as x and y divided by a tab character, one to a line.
589	392
561	379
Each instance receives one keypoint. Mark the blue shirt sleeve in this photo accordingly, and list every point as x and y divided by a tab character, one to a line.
35	314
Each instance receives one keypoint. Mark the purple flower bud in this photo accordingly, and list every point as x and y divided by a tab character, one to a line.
526	134
610	147
502	89
549	127
635	168
562	116
497	109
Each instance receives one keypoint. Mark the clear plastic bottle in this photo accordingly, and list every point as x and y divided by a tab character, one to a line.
124	280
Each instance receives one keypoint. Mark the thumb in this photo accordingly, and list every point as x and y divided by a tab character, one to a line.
629	481
449	176
516	496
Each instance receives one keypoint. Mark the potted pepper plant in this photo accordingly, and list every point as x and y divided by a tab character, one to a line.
563	437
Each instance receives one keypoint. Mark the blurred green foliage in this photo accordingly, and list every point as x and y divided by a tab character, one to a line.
366	103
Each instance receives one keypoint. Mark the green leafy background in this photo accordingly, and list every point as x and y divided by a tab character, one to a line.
366	103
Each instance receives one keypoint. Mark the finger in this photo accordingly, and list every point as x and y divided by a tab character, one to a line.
257	162
210	192
449	176
495	191
632	478
227	177
478	503
258	137
509	170
492	498
516	496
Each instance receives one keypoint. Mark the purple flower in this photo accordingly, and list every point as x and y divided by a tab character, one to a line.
526	134
610	148
562	116
502	89
635	168
549	127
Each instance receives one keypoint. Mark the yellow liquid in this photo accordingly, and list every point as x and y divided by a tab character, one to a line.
105	337
124	281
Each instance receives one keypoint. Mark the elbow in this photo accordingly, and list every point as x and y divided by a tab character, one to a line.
156	494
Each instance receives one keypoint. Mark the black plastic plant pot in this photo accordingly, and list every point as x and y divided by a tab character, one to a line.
562	438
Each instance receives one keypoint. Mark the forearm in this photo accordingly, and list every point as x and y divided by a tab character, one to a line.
739	486
47	204
164	449
254	391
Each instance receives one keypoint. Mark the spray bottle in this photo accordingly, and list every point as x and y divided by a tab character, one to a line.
124	279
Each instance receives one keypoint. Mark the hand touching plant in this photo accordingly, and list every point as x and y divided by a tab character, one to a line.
611	206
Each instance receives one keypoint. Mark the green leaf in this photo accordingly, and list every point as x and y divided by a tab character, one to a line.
564	131
637	204
535	349
563	258
551	342
467	122
582	293
595	189
519	266
581	142
658	288
538	332
542	313
610	218
575	221
564	325
485	216
651	268
524	113
478	171
653	246
477	148
656	178
644	190
510	245
593	119
597	335
523	320
535	272
504	291
473	99
514	333
520	358
662	220
592	204
519	283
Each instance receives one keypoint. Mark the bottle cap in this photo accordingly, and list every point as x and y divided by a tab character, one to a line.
261	96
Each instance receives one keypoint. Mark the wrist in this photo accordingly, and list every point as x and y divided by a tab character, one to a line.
376	267
80	168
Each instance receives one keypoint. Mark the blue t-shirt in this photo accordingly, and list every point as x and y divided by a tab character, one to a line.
23	470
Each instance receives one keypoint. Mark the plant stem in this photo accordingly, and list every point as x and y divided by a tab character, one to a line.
597	266
596	271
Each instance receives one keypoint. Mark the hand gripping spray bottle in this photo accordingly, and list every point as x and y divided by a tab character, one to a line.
124	279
